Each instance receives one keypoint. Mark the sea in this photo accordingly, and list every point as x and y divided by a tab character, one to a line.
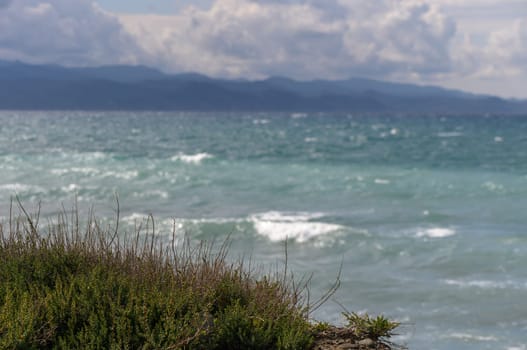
422	218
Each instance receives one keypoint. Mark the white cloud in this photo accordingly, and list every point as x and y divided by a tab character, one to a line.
63	31
402	38
475	44
508	47
500	53
331	38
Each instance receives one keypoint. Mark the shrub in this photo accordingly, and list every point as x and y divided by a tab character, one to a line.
65	287
365	326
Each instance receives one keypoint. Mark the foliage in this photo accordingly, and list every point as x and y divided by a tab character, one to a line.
319	327
365	326
67	287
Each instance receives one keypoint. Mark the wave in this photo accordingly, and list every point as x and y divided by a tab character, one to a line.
486	284
19	187
134	218
382	181
80	156
16	187
299	226
92	172
181	225
498	139
81	170
450	134
125	175
70	188
260	121
436	232
151	194
275	226
521	347
472	337
191	158
94	155
298	115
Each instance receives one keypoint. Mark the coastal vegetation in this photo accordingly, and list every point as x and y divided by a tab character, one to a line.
75	284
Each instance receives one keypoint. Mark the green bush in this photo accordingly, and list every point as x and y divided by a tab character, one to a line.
64	287
365	326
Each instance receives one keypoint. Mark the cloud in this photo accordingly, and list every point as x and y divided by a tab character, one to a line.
501	53
330	38
65	32
405	37
508	47
457	42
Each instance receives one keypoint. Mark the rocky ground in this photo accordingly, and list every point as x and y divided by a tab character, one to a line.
342	338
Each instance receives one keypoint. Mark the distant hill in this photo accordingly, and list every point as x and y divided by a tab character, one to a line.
45	87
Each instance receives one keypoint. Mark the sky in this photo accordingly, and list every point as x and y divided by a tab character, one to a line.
474	45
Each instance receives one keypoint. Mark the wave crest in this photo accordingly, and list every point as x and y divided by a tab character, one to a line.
436	232
277	226
191	158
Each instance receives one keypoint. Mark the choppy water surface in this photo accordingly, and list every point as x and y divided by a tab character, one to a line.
425	213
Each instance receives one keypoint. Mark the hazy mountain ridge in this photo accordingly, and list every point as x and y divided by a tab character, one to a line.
25	86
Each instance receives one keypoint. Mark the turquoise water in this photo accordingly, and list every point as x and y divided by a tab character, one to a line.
426	213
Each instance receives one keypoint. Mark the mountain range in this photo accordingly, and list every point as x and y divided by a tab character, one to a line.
51	87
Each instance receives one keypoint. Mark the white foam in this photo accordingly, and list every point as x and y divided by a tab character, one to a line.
491	186
298	115
436	232
213	220
70	188
151	193
260	121
486	284
90	156
59	172
125	175
450	134
310	139
15	187
472	337
287	217
278	226
82	170
382	181
521	347
191	158
163	227
134	217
